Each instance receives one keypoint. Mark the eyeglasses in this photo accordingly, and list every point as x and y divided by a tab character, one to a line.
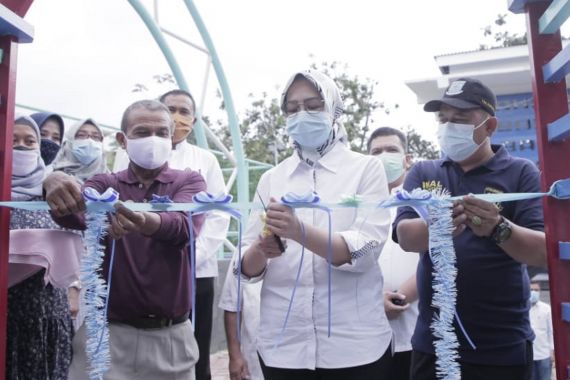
311	105
82	135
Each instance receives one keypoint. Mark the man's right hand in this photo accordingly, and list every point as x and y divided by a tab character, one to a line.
63	194
238	368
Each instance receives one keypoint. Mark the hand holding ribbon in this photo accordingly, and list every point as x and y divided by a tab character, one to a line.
63	194
282	221
124	221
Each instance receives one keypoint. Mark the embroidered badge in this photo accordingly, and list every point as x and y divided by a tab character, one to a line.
455	88
431	185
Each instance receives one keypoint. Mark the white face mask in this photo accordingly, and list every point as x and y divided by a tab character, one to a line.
149	152
393	165
456	140
24	162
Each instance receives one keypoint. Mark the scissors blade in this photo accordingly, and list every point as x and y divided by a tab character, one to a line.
261	200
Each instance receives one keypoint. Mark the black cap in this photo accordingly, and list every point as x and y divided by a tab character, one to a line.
465	93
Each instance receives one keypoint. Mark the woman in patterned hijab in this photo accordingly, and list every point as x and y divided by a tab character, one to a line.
335	326
331	104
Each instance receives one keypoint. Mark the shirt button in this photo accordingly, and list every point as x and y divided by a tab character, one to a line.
140	185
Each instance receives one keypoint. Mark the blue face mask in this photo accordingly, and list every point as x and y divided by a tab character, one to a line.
310	130
534	296
86	151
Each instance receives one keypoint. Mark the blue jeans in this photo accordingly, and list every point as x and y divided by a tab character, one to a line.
542	369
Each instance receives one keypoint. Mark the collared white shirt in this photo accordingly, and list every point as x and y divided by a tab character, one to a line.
397	266
250	293
541	323
215	227
360	330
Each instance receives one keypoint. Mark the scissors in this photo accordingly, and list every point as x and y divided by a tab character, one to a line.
277	238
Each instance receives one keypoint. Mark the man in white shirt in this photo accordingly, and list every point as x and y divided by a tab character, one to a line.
543	345
398	266
185	155
244	362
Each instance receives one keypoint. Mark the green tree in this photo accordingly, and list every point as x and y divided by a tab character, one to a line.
420	148
500	36
263	131
360	102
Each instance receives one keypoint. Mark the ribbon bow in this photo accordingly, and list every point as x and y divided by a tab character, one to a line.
353	200
160	199
97	202
293	198
418	199
204	197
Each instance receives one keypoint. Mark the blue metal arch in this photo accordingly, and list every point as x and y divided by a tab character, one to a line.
233	123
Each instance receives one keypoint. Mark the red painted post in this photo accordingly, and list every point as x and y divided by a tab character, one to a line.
551	103
19	7
8	99
7	104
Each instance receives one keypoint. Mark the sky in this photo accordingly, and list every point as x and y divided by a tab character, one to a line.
88	55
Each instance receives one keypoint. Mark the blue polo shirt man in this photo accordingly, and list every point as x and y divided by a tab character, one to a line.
493	242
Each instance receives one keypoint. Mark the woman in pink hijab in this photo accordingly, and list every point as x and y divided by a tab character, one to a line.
39	322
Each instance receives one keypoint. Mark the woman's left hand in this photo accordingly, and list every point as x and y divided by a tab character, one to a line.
282	221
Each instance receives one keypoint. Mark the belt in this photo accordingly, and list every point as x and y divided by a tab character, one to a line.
153	321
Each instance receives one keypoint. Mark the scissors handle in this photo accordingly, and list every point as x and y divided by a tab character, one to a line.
279	243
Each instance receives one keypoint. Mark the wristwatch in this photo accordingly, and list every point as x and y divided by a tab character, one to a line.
502	231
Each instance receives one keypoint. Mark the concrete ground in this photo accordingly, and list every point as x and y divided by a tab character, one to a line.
219	365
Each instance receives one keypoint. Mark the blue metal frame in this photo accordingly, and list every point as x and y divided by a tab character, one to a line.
233	123
558	67
242	177
560	129
554	16
564	248
13	25
154	30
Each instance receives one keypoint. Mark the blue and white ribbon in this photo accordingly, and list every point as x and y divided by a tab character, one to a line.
96	300
442	255
312	200
205	202
423	202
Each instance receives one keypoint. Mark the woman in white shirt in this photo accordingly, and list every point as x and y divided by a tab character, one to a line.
323	163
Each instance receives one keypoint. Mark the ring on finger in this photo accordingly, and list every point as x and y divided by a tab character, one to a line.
476	220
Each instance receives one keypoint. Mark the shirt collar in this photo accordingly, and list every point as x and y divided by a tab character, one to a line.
166	175
181	145
330	161
500	159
